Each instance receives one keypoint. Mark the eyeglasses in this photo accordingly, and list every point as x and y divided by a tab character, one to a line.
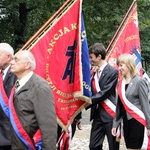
16	59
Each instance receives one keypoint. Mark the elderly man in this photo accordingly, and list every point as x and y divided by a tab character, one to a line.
7	82
32	107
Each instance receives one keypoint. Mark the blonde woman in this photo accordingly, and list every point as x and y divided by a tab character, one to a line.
132	105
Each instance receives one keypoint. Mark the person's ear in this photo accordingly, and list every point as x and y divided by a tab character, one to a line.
99	56
9	57
27	65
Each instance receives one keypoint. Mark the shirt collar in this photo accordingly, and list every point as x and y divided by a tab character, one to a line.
103	66
5	72
25	79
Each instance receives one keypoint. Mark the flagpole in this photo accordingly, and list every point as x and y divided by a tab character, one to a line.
60	138
120	25
46	24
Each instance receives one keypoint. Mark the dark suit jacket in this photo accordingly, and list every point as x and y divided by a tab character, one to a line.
34	105
107	83
9	82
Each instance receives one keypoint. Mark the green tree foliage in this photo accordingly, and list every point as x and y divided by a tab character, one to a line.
102	19
22	18
144	24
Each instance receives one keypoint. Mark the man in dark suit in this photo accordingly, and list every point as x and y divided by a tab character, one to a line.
104	80
9	79
32	106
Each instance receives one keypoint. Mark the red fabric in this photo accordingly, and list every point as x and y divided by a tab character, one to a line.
20	131
37	136
65	141
94	86
129	108
2	91
127	39
110	111
57	51
105	105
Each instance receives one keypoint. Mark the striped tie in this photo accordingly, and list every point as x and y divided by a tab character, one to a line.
2	72
16	86
98	73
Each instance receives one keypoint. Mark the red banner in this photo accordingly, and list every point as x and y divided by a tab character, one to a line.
57	50
126	38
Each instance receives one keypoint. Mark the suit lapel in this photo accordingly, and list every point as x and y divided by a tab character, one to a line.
27	85
104	72
130	86
102	77
7	76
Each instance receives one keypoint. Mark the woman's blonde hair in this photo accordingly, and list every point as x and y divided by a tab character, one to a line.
129	61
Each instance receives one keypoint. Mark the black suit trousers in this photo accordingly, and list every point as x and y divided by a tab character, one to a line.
5	147
98	132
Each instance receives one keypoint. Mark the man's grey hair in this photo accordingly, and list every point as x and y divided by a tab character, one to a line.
5	47
28	56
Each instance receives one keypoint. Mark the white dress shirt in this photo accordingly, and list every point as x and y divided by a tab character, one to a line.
24	80
5	72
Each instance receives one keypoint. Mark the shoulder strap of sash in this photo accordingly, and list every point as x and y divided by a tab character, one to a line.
20	131
3	98
134	112
38	140
109	107
107	104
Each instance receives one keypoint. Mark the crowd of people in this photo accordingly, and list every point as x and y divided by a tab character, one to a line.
31	103
119	100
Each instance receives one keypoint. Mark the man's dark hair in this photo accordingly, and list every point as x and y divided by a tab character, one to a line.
98	49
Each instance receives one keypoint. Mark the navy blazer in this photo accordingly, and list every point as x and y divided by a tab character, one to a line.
107	83
9	82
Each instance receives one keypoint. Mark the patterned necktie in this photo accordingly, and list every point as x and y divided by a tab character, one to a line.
1	78
16	86
93	85
2	72
98	73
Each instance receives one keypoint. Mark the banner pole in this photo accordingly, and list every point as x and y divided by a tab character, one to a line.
60	138
120	25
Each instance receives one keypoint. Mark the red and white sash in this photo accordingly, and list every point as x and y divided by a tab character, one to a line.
107	104
135	112
66	139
